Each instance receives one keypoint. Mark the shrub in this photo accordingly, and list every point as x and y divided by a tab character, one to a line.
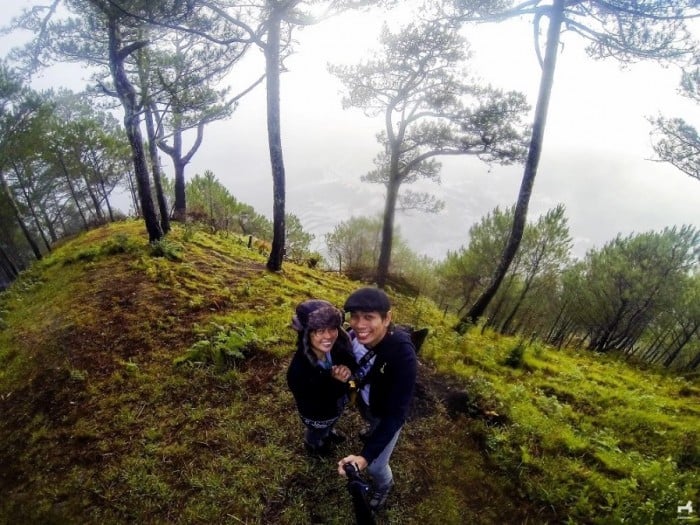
515	357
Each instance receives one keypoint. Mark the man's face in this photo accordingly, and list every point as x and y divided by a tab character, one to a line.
369	327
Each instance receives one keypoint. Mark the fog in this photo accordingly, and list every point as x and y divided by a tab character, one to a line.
595	159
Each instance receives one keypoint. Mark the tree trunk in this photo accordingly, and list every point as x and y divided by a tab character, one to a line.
601	341
134	194
179	163
493	319
695	362
8	266
93	197
518	303
127	96
392	192
679	345
101	186
155	169
103	189
47	220
59	214
564	331
533	159
555	324
30	207
180	212
274	137
655	343
18	216
71	188
467	296
180	207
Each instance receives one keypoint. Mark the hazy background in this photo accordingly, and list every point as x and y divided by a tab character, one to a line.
594	160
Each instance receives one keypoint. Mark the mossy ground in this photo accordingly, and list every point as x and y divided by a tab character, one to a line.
99	425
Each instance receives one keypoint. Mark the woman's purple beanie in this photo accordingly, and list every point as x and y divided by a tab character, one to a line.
315	314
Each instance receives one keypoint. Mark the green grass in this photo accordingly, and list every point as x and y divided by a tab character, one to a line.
591	437
147	384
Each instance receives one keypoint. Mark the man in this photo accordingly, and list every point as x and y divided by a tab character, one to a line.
385	380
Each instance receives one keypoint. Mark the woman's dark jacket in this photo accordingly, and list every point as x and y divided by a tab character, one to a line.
316	393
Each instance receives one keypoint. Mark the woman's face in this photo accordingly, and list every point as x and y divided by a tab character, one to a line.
323	339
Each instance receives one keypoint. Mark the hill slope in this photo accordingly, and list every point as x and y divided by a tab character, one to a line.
147	384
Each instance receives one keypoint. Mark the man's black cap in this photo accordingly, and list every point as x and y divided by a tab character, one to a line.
368	300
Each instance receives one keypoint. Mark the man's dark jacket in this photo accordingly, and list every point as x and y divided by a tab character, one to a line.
392	381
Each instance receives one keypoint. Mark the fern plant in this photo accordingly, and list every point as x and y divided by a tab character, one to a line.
223	348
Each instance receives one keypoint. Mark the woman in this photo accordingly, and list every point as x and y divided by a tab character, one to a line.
319	371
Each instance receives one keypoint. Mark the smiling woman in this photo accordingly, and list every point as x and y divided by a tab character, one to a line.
319	371
321	341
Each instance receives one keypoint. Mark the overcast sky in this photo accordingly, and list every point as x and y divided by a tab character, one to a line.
594	160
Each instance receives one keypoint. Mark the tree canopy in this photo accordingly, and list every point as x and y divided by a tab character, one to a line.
431	109
676	141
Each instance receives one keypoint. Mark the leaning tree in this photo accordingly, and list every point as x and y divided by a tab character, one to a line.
115	38
22	113
620	29
100	34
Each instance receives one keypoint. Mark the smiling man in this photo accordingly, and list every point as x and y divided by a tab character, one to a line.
385	380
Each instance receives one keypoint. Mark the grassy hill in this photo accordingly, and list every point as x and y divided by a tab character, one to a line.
146	384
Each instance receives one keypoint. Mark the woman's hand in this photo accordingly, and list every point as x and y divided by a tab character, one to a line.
341	373
359	461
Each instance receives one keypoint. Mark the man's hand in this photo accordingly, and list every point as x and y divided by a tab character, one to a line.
360	461
341	373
